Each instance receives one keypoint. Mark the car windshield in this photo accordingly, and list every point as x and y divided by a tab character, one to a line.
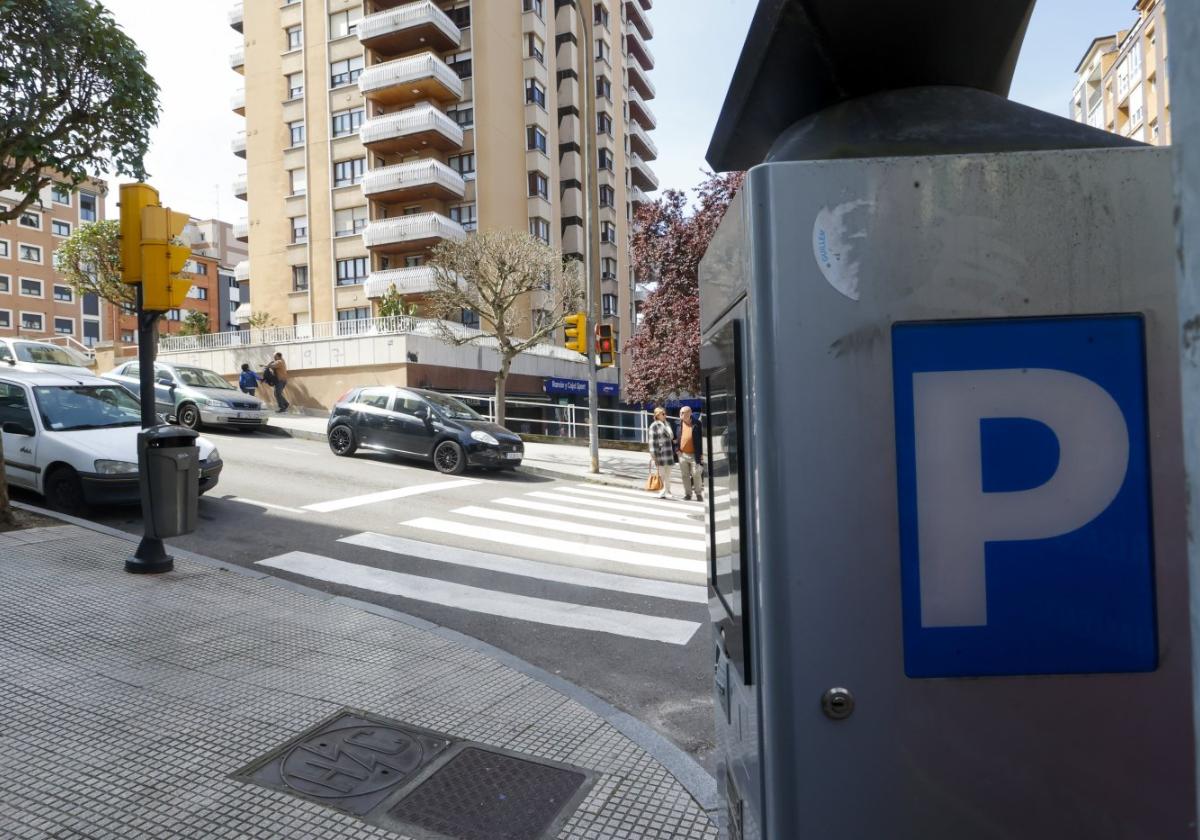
201	378
451	407
74	408
44	354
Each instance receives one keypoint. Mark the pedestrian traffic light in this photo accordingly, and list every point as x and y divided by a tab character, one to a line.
576	329
606	345
151	255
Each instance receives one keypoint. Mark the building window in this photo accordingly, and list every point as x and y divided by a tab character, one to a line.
347	122
32	321
64	326
198	293
352	271
606	159
3	248
298	179
91	333
604	124
461	15
349	221
345	23
470	318
299	229
345	72
463	115
540	228
294	82
608	196
30	220
603	50
29	253
60	194
349	172
536	48
608	268
91	305
87	207
535	93
461	64
299	278
64	294
296	133
417	260
60	228
603	88
539	185
608	305
535	139
535	6
608	233
464	214
357	313
464	164
601	15
128	337
6	318
5	284
294	35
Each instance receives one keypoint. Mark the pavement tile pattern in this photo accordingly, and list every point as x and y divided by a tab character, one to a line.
127	703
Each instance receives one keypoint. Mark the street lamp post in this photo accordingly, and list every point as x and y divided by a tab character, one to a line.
591	245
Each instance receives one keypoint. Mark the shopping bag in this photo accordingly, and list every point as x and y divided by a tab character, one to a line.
653	482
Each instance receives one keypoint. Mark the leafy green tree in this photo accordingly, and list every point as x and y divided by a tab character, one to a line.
195	322
75	97
261	321
90	261
393	305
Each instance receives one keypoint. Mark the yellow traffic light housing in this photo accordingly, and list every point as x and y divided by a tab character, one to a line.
134	199
151	254
606	346
576	330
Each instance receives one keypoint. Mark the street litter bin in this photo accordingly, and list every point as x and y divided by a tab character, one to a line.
169	462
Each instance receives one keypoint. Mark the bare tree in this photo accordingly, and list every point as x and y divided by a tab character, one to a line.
520	288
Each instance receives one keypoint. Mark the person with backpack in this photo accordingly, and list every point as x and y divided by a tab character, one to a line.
248	380
275	375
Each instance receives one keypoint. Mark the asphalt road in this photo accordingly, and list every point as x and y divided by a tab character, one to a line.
602	586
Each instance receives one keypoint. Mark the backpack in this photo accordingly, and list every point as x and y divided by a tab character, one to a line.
269	376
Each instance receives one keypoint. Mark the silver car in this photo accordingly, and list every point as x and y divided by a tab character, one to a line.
195	397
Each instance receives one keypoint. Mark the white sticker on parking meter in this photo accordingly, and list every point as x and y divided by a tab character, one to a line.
835	236
1024	497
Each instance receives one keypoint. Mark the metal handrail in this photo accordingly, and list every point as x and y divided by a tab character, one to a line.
410	14
405	70
413	174
414	120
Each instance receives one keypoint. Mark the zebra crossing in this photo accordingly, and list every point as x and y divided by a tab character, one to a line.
618	561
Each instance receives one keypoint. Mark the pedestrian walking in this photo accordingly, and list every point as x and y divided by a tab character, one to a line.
277	369
662	450
689	447
248	380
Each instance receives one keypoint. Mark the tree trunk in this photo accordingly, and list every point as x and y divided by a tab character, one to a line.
6	514
501	379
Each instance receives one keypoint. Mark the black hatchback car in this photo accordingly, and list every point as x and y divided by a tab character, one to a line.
423	424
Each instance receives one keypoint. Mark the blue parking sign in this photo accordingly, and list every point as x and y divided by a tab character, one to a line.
1024	497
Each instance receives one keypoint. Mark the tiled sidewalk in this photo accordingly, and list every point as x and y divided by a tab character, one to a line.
127	703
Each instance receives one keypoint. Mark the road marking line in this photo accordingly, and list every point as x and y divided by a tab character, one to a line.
604	489
600	552
510	518
588	501
650	502
387	495
293	451
531	568
599	516
255	503
487	601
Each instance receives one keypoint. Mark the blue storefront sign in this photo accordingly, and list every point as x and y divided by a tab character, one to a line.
1024	497
578	387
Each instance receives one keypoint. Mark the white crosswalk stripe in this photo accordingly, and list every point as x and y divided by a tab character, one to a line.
580	528
602	516
680	513
648	501
624	492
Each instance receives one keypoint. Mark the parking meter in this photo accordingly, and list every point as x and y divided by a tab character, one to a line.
946	518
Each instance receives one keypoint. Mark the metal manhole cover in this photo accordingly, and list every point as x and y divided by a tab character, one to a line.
351	762
482	794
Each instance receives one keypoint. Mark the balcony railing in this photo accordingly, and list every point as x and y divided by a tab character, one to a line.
639	50
239	186
241	271
238	144
242	314
409	27
643	176
638	196
241	230
237	59
416	77
418	280
416	180
236	16
238	102
640	111
411	130
637	16
640	80
419	230
641	142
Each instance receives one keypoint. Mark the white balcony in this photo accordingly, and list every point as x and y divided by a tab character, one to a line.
411	79
638	49
241	230
237	60
241	315
636	15
419	280
416	180
238	101
240	188
640	111
638	196
647	4
411	233
643	176
640	142
236	16
238	144
413	26
412	130
241	271
639	79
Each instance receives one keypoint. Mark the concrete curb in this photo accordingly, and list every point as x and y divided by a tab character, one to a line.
691	775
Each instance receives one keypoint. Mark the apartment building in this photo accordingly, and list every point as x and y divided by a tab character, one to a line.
226	243
1122	84
376	129
35	301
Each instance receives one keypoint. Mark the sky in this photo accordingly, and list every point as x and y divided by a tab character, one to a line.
696	47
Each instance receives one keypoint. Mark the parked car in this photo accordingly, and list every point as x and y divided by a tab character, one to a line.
22	354
195	397
422	424
73	439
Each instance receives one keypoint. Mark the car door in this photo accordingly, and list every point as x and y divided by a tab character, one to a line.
414	424
166	389
18	432
371	408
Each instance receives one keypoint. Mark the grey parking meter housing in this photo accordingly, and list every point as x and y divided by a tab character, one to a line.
169	462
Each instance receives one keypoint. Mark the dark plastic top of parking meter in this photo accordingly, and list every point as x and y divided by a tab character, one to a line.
802	57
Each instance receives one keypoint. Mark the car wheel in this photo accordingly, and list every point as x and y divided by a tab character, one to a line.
342	440
64	492
188	415
449	458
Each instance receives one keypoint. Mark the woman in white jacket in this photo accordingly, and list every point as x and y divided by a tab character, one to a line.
662	450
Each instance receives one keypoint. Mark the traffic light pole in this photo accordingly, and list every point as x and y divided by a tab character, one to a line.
592	245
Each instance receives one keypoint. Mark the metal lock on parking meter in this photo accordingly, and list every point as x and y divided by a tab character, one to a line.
947	533
170	480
